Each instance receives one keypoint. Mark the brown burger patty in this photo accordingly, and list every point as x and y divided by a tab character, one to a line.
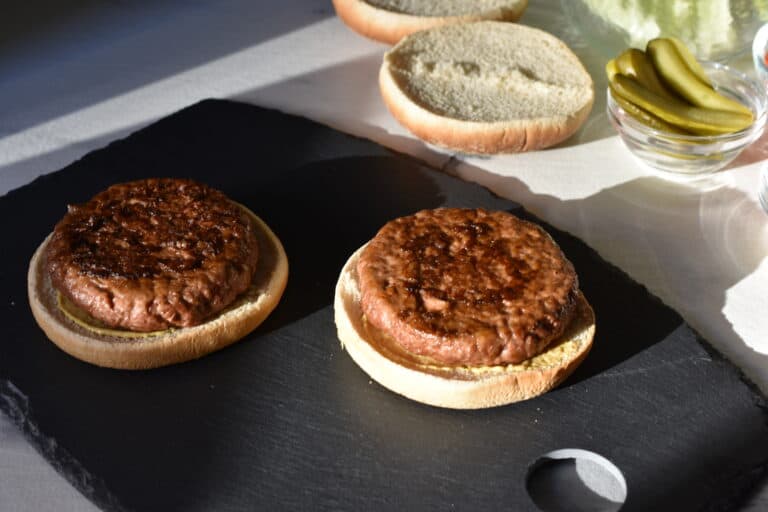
152	254
467	287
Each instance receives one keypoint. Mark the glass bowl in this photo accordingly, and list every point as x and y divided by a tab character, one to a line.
695	154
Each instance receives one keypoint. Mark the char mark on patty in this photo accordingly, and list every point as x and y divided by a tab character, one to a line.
153	254
467	287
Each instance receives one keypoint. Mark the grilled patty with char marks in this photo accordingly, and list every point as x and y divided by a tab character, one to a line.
152	254
467	286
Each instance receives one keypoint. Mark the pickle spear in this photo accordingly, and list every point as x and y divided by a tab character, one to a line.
690	60
646	117
700	121
636	64
681	79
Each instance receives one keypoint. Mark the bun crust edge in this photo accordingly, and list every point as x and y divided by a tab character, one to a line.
389	26
449	387
173	346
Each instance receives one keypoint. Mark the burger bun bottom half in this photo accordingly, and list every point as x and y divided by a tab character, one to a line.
454	387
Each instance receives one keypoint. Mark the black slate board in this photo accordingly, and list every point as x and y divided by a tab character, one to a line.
285	420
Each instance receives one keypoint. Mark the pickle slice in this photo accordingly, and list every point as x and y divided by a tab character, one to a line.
690	60
700	121
646	117
678	76
635	63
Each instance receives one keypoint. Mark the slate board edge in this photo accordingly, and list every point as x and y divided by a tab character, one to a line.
13	402
15	406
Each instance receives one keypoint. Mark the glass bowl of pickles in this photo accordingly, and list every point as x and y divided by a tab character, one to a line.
680	115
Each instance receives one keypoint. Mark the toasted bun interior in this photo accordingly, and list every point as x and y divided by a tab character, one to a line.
454	387
486	87
388	21
103	348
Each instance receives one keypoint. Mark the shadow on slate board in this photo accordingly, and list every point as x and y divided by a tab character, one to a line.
285	420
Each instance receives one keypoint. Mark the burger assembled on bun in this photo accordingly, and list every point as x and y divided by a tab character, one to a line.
463	308
155	272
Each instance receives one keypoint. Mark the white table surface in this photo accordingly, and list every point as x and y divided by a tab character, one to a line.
72	79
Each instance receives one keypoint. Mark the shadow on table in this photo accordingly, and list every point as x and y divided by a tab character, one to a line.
88	51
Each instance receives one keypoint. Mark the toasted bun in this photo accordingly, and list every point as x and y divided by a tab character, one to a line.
486	87
167	347
389	21
452	387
